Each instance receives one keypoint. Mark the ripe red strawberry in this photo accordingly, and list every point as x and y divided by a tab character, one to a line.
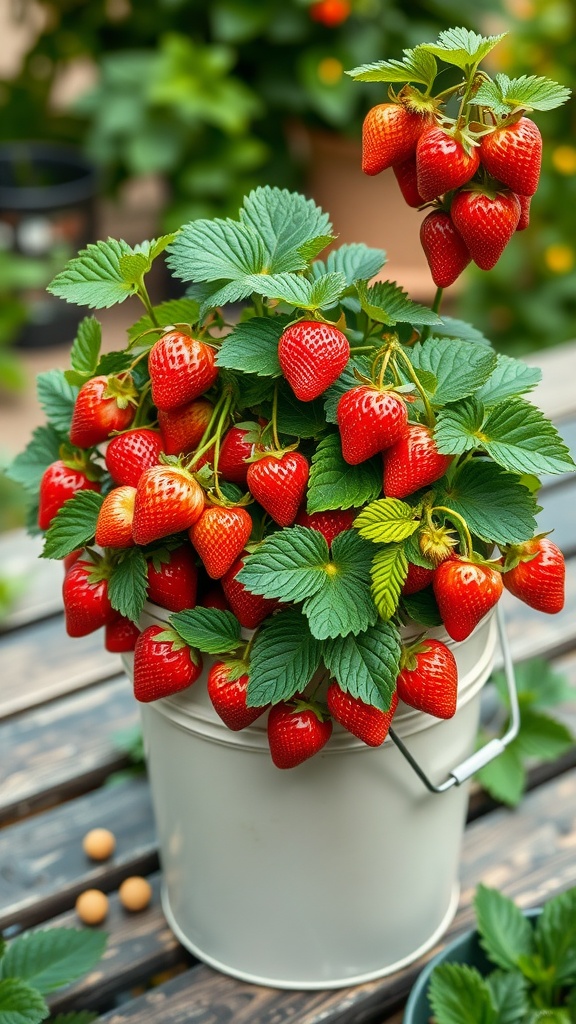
103	405
68	560
219	536
513	155
120	635
405	174
163	664
465	593
444	248
329	12
525	203
486	223
129	454
279	484
182	428
538	582
228	696
168	500
443	163
370	420
233	452
418	577
249	609
296	731
429	679
329	523
59	483
368	723
181	368
86	603
312	356
173	578
114	523
413	462
389	136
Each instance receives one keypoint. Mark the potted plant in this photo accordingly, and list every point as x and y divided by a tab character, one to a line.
299	513
516	966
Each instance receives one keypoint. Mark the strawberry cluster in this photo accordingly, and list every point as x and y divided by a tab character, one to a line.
477	171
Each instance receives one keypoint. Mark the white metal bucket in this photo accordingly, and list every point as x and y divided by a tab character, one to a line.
336	872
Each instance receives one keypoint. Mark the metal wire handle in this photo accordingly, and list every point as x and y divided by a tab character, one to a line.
490	750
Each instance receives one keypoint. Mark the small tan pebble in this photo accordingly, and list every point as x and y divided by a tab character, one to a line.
92	906
135	893
99	844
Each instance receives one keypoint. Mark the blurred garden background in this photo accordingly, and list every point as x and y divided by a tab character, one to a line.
172	109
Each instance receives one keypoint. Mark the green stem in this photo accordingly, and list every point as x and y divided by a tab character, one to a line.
435	309
430	418
471	74
207	439
145	299
461	526
258	304
144	405
275	437
384	367
219	429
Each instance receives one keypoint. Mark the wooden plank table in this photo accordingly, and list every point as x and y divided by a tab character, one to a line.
63	703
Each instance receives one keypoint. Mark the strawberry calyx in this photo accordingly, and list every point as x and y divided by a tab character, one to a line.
409	653
527	551
415	101
173	638
235	668
121	388
80	459
298	704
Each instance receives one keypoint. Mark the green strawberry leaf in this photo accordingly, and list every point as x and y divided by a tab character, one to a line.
30	465
50	958
555	938
128	584
298	291
300	419
309	250
74	525
356	261
542	737
459	367
335	484
462	47
529	92
252	346
538	684
210	630
57	398
86	346
387	520
174	311
94	278
515	434
509	991
461	330
344	603
115	362
290	565
505	933
387	303
459	994
284	658
510	377
366	665
494	503
217	250
417	65
422	607
20	1003
504	778
285	222
389	570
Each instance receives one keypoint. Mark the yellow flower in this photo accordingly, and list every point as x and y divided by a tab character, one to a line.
330	70
564	159
559	258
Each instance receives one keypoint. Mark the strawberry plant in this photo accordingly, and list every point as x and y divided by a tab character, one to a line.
296	463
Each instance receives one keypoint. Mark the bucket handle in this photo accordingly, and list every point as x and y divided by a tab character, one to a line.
493	747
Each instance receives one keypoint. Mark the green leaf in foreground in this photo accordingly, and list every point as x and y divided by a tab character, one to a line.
284	658
57	398
86	346
417	65
94	278
285	222
20	1003
459	995
74	525
459	367
389	570
505	933
356	261
504	778
555	937
335	484
387	303
343	604
366	665
53	957
496	506
530	92
211	630
510	996
173	311
462	47
289	565
387	520
510	377
128	584
252	346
